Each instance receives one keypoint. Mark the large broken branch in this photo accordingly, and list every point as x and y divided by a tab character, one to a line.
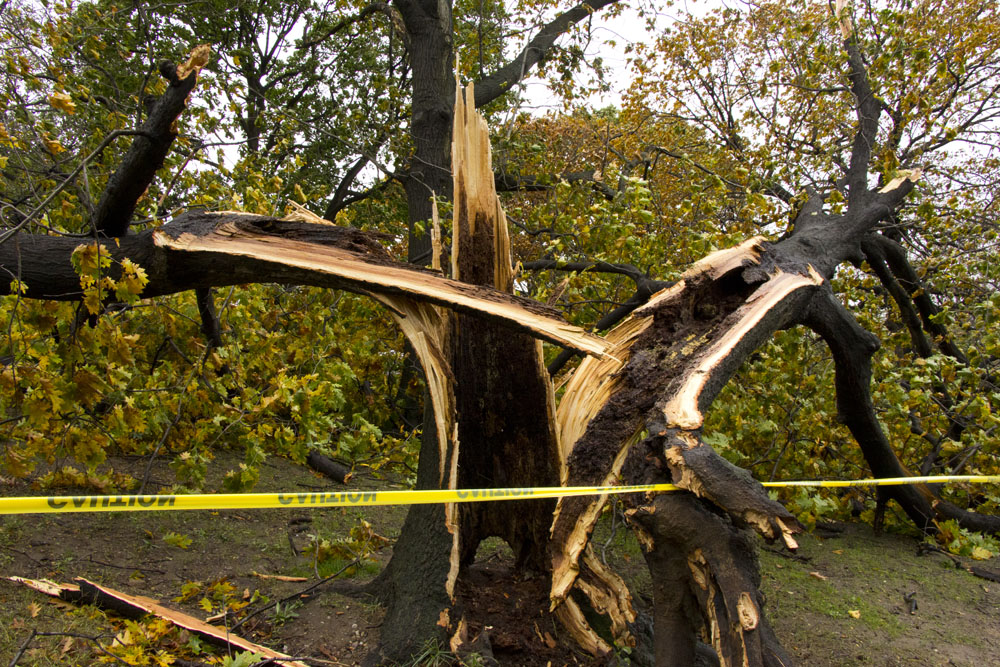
676	353
220	249
685	342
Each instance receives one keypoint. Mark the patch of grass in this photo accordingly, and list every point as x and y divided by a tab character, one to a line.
434	655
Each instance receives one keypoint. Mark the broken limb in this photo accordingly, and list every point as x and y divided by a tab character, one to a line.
679	351
199	249
136	606
705	574
146	154
327	466
676	354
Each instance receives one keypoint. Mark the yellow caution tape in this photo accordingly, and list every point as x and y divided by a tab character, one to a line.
225	501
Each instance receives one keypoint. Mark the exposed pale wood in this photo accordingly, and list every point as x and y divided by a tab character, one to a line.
608	594
476	201
435	235
302	214
451	517
840	12
566	554
592	384
902	176
571	617
426	328
682	410
88	592
197	59
379	277
46	586
278	577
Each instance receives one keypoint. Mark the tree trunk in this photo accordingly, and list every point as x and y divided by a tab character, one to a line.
504	408
429	30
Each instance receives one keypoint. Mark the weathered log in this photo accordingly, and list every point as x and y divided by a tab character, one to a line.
332	469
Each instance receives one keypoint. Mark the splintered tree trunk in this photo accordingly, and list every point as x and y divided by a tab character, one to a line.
644	425
499	432
505	404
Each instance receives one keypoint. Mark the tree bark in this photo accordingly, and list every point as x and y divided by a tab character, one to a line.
429	29
146	154
852	348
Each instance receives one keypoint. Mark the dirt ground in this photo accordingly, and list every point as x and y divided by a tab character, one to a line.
839	601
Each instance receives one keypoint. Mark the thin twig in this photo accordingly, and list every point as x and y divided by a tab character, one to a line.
307	589
69	179
126	567
24	647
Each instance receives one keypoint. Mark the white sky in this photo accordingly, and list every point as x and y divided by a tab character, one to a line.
627	28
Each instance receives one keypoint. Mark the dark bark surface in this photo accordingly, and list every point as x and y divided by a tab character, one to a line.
412	589
704	566
852	348
332	469
145	156
429	28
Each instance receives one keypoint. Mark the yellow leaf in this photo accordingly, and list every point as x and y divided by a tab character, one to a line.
177	540
33	609
854	613
53	146
979	553
63	102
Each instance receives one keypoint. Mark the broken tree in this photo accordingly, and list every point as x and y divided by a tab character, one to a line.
632	411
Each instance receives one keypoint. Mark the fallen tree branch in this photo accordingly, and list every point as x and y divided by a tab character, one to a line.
324	464
134	606
200	250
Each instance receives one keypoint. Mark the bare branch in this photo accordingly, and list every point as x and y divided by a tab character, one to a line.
869	108
502	80
507	182
375	7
